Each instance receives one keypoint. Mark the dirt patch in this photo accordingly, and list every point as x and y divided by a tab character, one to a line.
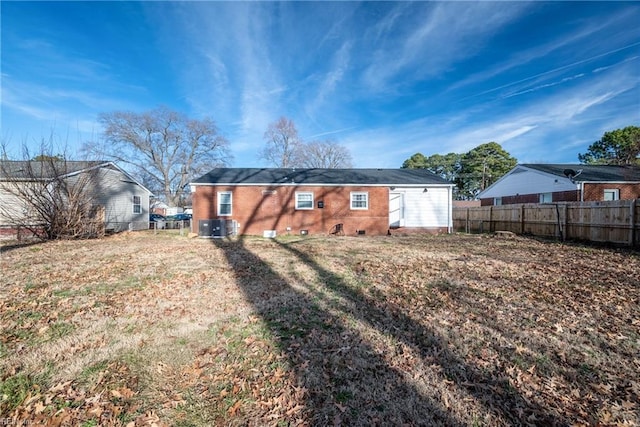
143	328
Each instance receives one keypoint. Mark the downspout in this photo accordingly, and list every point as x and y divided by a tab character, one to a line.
581	186
450	209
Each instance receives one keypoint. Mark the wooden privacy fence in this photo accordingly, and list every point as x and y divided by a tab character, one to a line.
615	222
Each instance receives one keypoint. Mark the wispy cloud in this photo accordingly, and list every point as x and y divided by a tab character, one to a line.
524	57
446	34
553	70
527	131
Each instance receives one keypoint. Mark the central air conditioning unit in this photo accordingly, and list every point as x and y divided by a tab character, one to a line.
204	228
217	228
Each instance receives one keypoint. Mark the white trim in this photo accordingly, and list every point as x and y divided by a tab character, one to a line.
230	193
270	184
134	204
299	193
354	193
614	191
542	197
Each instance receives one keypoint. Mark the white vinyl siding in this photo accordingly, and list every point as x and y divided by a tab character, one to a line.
304	200
528	182
431	208
115	191
225	203
359	200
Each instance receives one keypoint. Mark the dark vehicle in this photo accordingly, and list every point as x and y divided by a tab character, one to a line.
179	217
159	220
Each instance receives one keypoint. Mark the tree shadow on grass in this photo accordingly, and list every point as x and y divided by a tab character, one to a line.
350	381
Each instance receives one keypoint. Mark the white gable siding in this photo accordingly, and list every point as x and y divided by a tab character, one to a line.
115	191
526	181
426	209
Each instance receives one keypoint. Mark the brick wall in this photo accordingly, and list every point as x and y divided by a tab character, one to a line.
259	208
592	193
595	192
560	196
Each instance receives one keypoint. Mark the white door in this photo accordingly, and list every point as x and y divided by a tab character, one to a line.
396	210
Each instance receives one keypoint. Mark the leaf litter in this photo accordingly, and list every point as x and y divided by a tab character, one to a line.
143	329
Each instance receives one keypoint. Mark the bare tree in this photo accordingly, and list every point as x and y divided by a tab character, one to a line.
282	146
325	154
48	197
285	149
165	148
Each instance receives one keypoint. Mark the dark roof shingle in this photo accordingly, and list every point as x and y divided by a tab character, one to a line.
271	176
31	169
591	173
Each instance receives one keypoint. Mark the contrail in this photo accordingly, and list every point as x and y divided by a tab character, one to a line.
553	71
331	132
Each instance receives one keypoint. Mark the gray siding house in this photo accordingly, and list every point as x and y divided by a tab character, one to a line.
123	201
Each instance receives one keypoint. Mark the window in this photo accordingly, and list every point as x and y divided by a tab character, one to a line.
497	201
304	200
546	198
611	194
360	200
224	203
137	207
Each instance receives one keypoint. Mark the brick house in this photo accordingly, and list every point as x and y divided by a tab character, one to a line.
548	183
321	201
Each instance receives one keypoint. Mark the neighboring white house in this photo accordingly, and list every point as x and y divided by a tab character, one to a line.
550	183
124	201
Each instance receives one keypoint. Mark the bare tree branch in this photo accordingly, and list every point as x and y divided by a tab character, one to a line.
325	154
285	149
282	144
165	148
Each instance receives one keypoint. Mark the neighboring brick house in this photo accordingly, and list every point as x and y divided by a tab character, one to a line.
548	183
321	201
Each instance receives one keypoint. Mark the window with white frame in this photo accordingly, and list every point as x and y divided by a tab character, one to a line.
360	200
137	205
497	201
224	203
611	194
304	200
546	197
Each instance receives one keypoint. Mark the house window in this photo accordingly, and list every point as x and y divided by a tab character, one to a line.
497	201
304	200
546	197
224	203
360	200
611	194
137	206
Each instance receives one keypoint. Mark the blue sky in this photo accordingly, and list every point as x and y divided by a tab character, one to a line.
385	79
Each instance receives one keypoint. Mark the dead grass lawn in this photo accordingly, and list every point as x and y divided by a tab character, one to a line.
138	329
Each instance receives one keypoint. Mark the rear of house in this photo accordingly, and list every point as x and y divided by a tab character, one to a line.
320	201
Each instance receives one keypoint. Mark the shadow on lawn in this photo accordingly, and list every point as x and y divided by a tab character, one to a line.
348	380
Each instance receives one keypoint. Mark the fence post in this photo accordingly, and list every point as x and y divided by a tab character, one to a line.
566	221
466	228
522	219
490	219
632	220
